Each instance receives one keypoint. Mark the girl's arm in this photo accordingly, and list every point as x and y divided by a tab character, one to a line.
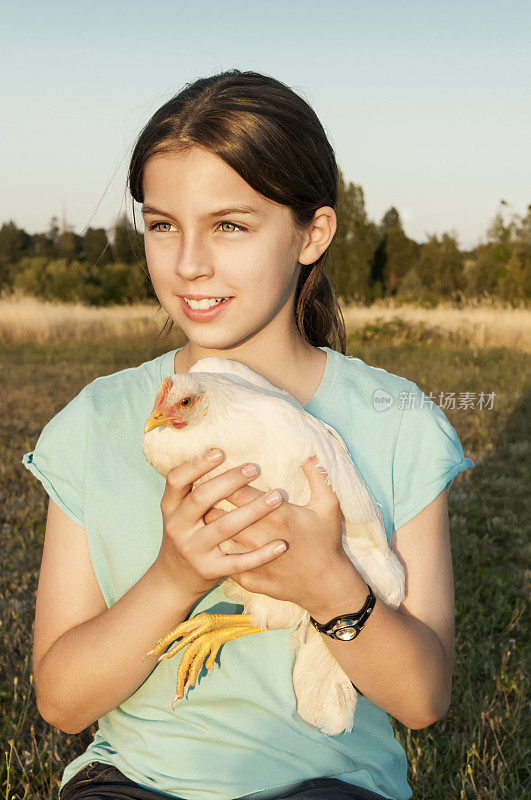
402	660
87	658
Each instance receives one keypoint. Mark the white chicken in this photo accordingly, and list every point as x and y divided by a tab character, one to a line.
222	403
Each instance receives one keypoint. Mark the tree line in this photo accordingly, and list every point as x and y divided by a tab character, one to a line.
368	261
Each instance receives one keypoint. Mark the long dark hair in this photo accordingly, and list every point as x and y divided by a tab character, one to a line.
274	140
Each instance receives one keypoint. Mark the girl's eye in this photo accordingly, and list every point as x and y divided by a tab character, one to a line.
156	225
226	222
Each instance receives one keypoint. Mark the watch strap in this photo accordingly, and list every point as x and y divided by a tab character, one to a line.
347	626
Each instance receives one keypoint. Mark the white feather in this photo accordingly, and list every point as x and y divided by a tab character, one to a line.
245	415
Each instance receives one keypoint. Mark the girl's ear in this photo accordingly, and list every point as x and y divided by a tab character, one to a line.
320	233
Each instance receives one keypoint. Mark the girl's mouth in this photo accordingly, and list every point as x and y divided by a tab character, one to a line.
204	314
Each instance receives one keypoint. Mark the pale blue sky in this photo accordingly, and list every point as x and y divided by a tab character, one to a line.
427	104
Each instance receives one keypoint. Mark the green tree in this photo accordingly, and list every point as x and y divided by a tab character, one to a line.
96	246
29	275
69	245
14	243
400	256
53	232
512	283
503	265
378	278
63	280
412	284
42	244
124	243
391	219
483	275
441	266
122	283
352	246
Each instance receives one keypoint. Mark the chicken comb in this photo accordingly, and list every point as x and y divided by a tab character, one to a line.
162	393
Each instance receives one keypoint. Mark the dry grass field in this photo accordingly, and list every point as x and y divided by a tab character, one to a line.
27	319
479	750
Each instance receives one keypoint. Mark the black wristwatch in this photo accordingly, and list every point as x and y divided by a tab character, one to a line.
347	626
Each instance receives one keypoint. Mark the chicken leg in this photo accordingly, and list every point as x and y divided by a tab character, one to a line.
205	633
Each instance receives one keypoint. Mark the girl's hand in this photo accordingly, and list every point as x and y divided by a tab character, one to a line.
314	536
190	554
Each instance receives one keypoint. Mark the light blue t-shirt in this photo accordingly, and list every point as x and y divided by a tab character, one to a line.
240	724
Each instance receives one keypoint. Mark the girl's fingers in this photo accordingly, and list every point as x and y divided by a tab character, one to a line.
211	491
213	515
235	521
241	562
180	480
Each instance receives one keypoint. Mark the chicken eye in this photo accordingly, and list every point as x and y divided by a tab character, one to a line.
186	401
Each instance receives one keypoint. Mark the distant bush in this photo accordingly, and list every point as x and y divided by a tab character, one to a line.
74	281
397	330
424	298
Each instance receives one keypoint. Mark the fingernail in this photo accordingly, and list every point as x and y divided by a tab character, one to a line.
273	498
213	455
279	548
249	470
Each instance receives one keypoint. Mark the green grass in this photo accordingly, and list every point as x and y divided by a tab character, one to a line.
480	748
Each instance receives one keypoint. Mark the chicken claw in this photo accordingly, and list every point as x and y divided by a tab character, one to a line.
205	633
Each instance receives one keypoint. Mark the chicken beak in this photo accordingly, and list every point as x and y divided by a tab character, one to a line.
154	421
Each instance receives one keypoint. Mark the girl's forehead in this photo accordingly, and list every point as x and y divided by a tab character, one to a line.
206	187
173	177
197	164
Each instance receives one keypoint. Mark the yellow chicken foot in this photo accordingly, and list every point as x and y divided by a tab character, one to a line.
210	632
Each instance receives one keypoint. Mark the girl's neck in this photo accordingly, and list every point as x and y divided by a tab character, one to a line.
299	371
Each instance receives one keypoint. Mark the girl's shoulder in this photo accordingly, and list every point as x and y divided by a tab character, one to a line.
102	420
396	407
387	397
388	419
125	395
138	381
373	386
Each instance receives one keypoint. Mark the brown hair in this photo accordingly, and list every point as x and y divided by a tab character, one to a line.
274	140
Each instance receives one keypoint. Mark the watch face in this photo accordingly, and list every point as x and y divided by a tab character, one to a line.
346	632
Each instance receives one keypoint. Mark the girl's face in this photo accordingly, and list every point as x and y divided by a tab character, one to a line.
196	246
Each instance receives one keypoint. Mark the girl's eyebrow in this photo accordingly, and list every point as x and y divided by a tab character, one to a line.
221	212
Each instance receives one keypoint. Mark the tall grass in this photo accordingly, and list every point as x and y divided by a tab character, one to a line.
28	319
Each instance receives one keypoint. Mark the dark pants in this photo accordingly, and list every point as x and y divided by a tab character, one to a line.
98	781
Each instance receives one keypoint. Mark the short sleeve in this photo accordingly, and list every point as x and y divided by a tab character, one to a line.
58	460
428	455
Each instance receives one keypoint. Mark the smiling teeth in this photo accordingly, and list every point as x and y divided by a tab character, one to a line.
205	302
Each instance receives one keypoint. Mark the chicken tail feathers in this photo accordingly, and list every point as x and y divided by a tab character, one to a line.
380	569
325	695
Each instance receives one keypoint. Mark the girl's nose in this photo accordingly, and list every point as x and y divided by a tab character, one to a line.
193	260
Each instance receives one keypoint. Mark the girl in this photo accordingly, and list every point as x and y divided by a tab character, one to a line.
238	186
